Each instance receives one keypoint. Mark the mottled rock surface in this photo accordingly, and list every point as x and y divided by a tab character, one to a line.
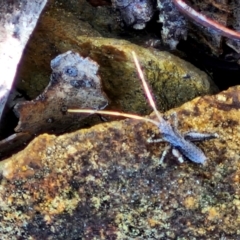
74	83
173	81
17	22
135	13
174	24
106	183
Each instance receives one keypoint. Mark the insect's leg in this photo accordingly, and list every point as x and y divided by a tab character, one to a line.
151	140
178	155
194	136
174	119
164	154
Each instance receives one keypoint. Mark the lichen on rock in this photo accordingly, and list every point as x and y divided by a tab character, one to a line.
74	83
106	181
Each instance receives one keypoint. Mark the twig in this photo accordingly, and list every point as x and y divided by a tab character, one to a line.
205	21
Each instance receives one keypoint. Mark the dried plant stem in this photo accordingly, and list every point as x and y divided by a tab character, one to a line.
205	21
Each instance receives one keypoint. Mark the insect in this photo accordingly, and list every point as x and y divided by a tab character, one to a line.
181	144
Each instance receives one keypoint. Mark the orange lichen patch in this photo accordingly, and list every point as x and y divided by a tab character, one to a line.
180	181
27	162
213	213
191	202
236	177
201	231
153	222
211	228
48	218
236	202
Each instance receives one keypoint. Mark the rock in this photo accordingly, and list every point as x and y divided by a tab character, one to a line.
17	22
60	30
135	13
54	25
174	24
106	183
14	143
74	83
173	80
63	31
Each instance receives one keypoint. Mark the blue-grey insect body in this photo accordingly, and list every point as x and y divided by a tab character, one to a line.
188	149
183	142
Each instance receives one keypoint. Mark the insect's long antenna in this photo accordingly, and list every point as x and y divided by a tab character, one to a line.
128	115
145	86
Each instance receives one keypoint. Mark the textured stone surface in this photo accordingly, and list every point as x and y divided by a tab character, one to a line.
17	22
174	24
106	183
172	80
63	31
135	13
74	83
55	24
